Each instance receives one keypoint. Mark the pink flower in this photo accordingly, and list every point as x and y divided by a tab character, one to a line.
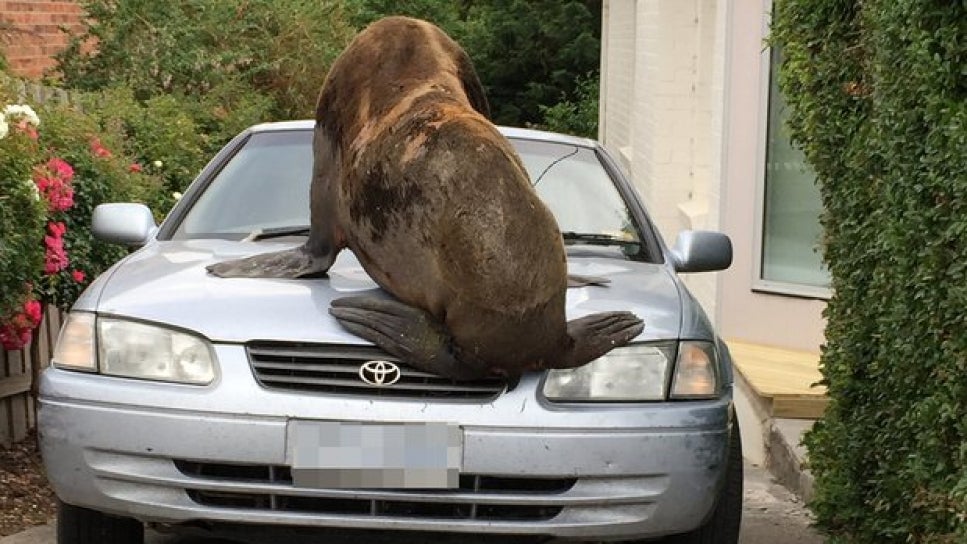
15	334
57	229
28	129
98	149
54	182
33	310
55	258
43	183
78	276
61	197
135	167
10	338
61	169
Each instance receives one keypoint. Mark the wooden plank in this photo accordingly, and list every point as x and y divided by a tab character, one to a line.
6	423
17	404
14	385
799	407
784	380
774	371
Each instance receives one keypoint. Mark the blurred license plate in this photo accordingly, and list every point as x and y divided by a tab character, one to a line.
333	454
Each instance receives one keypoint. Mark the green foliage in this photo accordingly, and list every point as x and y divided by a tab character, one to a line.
578	117
21	215
199	48
162	135
99	177
446	14
878	103
56	165
529	54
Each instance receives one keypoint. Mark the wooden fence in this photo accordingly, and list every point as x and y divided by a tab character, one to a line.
19	373
19	370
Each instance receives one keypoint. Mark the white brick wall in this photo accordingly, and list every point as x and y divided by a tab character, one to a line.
662	105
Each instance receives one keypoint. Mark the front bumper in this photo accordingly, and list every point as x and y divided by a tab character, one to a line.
134	448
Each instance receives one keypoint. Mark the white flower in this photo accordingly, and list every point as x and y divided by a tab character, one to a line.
158	164
177	195
22	110
4	128
33	188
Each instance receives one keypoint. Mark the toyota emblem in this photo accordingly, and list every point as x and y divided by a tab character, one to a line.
379	373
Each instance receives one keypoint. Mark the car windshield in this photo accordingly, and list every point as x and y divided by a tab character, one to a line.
262	191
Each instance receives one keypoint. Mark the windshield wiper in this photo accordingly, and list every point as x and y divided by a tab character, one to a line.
277	232
597	239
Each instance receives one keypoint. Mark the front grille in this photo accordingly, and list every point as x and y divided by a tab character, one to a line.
478	496
335	369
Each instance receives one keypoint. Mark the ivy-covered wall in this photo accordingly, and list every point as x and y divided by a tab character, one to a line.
878	97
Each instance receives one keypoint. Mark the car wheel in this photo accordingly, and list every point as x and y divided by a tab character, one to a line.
723	525
76	525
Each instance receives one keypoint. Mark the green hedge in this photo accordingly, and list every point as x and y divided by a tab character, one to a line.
878	97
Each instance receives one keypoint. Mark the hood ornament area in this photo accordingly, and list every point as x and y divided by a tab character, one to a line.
379	373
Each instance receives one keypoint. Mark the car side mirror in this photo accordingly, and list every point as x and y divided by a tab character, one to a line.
126	224
701	251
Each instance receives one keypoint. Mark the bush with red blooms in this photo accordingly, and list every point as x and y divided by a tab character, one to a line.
52	175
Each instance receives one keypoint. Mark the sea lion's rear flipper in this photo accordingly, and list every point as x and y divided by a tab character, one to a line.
291	263
409	333
597	334
575	280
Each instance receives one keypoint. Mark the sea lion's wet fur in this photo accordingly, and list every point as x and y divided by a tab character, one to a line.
410	174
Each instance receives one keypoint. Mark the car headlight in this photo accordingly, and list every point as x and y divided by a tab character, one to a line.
131	349
640	373
631	373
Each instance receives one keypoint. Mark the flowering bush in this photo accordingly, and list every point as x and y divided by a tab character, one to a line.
22	214
99	171
51	178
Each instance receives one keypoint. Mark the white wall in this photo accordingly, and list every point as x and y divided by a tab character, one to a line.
684	101
783	321
662	85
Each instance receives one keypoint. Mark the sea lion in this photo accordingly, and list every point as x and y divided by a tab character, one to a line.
410	174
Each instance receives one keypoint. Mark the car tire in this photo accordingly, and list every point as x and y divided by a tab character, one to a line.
722	527
76	525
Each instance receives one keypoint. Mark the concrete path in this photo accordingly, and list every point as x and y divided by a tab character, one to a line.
771	515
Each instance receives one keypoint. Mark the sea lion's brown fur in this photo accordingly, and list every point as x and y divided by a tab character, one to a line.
410	174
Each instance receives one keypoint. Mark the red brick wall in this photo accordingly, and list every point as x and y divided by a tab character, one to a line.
35	33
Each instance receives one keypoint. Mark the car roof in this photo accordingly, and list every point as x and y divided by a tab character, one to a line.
510	132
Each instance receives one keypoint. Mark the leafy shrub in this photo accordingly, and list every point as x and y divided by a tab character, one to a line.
161	135
529	54
22	214
199	48
578	117
52	175
878	103
102	172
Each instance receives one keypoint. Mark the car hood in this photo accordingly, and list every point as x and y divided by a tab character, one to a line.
166	282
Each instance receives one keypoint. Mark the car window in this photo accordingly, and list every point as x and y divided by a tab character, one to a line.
265	185
578	190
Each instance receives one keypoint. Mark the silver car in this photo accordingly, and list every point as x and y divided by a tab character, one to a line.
240	408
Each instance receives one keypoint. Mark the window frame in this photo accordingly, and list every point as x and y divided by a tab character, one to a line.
759	283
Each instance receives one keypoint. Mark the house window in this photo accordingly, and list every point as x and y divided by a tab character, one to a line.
790	224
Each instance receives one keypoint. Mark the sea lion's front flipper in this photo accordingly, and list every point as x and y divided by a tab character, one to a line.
575	280
291	263
408	333
597	334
